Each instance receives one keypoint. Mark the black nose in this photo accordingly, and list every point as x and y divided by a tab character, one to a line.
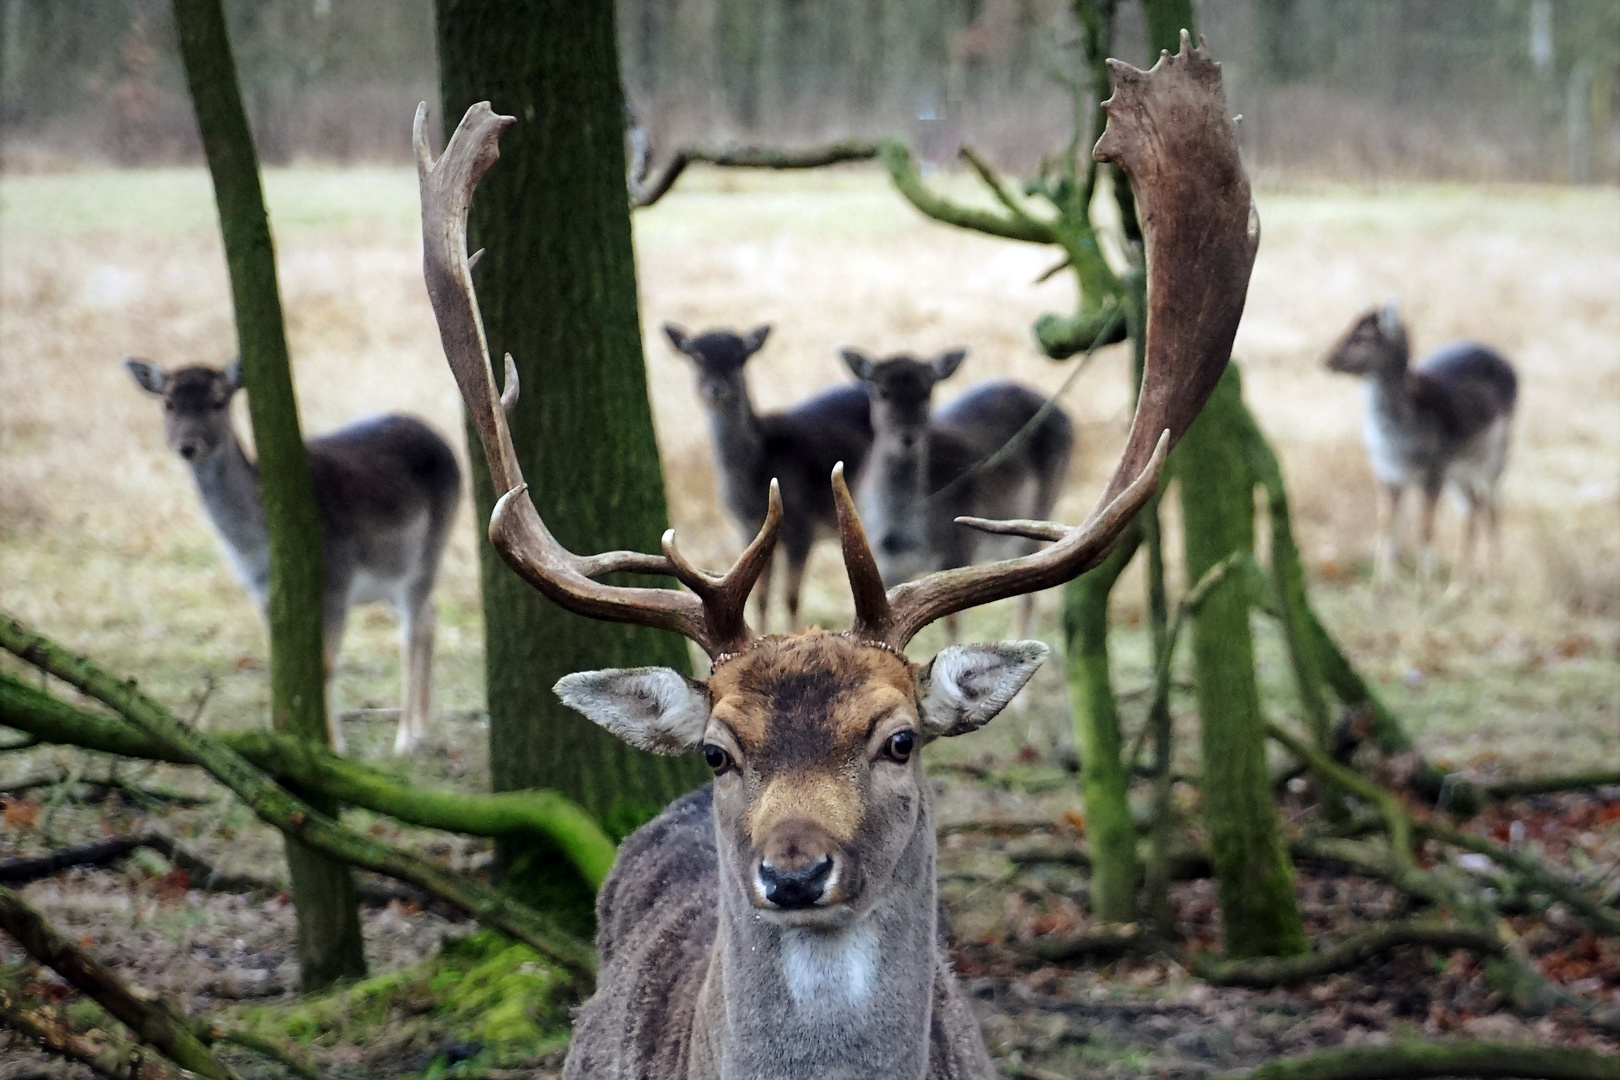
895	544
188	451
800	887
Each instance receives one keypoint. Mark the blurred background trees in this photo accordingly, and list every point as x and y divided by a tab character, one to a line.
1465	89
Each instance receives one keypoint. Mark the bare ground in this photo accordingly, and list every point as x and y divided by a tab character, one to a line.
102	543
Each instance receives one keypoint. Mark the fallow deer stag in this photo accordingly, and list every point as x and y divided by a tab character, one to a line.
782	922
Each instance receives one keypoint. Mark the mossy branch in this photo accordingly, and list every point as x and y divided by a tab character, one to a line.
310	768
153	1023
1262	972
645	192
296	818
1415	1060
896	158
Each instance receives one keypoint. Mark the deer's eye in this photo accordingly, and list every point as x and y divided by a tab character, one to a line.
900	746
717	759
168	406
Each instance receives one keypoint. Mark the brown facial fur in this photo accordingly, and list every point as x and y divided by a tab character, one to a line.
802	711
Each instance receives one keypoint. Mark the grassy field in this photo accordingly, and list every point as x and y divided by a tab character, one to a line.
102	542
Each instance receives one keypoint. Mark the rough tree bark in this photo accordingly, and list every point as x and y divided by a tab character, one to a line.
558	290
329	943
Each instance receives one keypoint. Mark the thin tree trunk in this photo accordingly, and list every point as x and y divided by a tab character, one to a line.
1260	915
1104	777
329	943
558	290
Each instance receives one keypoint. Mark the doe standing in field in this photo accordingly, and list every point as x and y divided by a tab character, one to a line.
386	489
782	922
796	447
999	451
1443	423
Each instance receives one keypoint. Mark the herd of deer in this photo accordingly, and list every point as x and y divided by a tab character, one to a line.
782	922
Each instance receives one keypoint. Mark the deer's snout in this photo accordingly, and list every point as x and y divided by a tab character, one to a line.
799	868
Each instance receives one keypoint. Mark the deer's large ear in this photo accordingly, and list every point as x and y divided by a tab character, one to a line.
755	340
654	708
677	337
859	364
147	375
965	686
946	363
1389	318
233	375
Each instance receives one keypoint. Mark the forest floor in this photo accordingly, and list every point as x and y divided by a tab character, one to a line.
102	546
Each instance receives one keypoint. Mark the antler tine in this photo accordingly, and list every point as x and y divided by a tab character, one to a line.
515	526
872	613
725	596
1168	129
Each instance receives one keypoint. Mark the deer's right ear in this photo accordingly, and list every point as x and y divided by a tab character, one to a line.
677	337
1389	318
148	376
946	363
859	364
653	708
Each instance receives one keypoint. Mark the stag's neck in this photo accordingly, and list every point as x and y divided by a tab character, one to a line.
229	485
739	441
783	1003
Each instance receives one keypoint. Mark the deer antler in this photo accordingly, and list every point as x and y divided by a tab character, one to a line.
712	614
1169	130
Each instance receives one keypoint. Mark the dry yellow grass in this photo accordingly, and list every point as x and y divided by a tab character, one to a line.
103	544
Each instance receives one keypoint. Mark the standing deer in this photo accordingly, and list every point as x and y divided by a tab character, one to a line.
798	447
781	923
998	451
1443	423
386	489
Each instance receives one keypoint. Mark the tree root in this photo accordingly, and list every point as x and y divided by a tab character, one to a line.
296	818
315	769
1265	972
154	1024
1547	785
1104	944
1414	1060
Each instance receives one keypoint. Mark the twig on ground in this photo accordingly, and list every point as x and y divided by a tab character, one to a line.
1265	972
1548	785
1414	1060
152	1023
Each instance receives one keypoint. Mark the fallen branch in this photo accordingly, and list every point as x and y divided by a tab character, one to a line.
644	193
298	819
1263	972
1414	1060
55	1037
152	1023
1547	785
312	768
1098	945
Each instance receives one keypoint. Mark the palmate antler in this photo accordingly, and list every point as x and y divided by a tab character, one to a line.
1167	128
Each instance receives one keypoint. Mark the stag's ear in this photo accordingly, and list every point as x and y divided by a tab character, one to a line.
1389	318
653	708
946	363
755	340
965	686
148	376
233	375
677	337
859	364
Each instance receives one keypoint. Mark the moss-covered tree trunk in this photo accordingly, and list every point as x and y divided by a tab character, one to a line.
558	290
329	943
1104	775
1259	912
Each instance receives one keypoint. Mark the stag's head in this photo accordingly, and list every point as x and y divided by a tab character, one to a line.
196	404
814	738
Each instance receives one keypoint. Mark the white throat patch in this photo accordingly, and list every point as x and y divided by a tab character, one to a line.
829	971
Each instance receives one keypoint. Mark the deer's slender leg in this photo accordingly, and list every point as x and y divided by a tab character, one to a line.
953	628
1427	560
334	730
1463	571
417	625
1493	537
795	585
762	597
1388	549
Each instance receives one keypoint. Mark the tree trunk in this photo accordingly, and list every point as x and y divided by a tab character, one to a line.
329	943
558	290
1255	881
1104	776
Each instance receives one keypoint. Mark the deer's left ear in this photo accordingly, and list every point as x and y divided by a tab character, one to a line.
233	375
654	708
965	686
